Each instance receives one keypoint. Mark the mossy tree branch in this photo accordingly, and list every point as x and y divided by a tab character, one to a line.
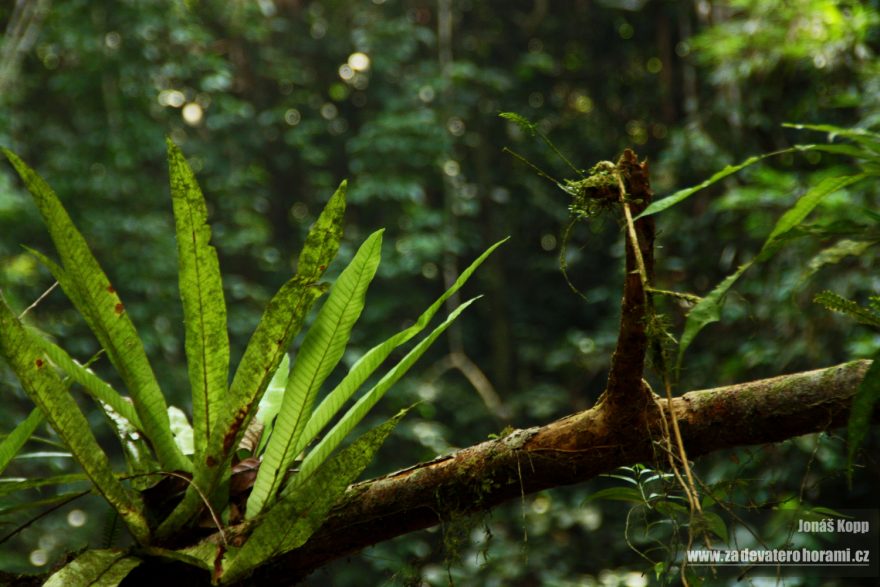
571	450
625	386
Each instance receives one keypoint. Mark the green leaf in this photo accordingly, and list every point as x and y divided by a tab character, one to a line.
12	485
87	286
319	354
95	568
845	150
138	457
367	364
716	525
44	454
628	494
820	512
270	404
629	480
286	312
301	511
60	498
862	410
322	242
96	387
859	135
802	208
521	121
356	413
13	442
669	201
47	390
182	430
834	254
838	303
671	509
280	323
201	291
708	309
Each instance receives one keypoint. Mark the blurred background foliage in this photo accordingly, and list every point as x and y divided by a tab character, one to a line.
275	101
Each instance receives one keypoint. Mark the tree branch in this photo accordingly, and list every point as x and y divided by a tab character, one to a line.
571	450
628	360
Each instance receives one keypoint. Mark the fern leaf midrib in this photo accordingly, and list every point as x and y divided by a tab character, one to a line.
203	347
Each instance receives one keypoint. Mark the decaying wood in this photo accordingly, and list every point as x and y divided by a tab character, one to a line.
628	360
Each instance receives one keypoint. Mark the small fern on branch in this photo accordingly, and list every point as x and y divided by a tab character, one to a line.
838	303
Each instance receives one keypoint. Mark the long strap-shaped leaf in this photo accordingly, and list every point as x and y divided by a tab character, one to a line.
283	320
201	290
87	286
673	199
280	323
94	385
95	568
292	520
47	390
319	354
708	309
371	360
356	413
16	439
860	135
13	485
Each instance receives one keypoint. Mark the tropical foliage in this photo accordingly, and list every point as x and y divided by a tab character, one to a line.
274	101
283	509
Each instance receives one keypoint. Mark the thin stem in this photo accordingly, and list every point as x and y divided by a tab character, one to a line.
634	239
36	303
55	507
559	153
534	167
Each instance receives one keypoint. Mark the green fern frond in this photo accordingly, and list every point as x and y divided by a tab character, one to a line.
838	303
521	121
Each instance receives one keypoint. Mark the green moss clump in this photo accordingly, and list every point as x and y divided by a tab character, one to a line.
595	193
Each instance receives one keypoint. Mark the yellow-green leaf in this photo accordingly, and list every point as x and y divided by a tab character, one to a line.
201	290
88	287
47	390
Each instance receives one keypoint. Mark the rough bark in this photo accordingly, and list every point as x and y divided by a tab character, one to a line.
571	450
628	360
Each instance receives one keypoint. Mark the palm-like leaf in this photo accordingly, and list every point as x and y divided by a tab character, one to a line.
708	309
